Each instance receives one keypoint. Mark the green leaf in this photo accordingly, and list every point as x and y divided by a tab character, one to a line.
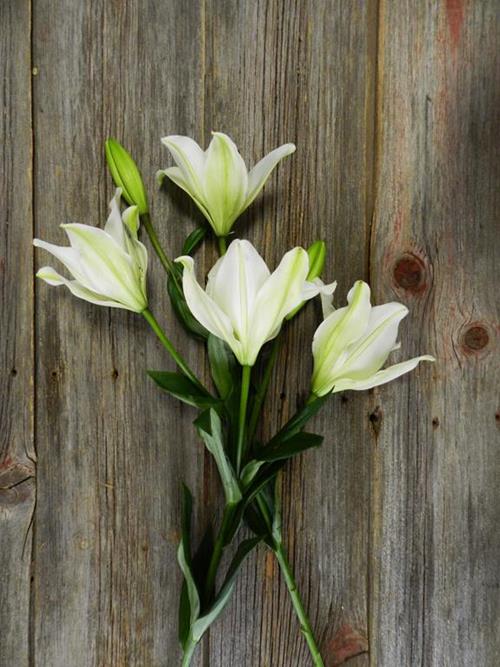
298	421
189	607
202	624
223	366
286	449
194	240
249	471
181	309
181	387
210	429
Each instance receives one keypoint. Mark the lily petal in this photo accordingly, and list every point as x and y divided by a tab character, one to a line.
114	225
224	183
70	257
280	294
204	308
382	377
234	281
177	176
262	170
190	159
52	277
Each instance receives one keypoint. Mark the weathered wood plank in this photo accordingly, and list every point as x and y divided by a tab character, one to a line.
112	448
436	469
17	488
303	72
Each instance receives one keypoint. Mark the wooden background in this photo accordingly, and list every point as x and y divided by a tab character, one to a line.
393	526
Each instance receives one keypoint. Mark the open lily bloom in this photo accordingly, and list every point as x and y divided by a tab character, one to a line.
352	344
108	265
244	303
217	179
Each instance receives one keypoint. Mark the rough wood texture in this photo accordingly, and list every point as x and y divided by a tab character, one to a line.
393	526
17	488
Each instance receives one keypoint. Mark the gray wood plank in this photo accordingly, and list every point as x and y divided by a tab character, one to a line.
436	465
17	457
112	448
303	72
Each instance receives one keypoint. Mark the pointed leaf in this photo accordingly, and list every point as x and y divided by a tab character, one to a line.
223	365
202	624
298	421
286	449
182	388
192	600
210	429
194	240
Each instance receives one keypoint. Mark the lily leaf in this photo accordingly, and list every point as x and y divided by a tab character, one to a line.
189	608
182	388
298	421
223	366
202	624
209	427
193	240
277	450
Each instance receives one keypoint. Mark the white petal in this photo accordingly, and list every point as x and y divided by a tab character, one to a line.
225	182
234	282
70	257
177	176
260	173
326	296
382	377
190	159
50	276
368	354
114	224
108	269
204	308
280	294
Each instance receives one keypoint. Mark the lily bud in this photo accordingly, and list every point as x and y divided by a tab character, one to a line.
353	343
217	180
126	175
244	303
317	254
108	265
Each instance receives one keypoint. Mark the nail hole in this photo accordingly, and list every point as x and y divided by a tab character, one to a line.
343	398
435	422
13	372
54	374
114	374
282	396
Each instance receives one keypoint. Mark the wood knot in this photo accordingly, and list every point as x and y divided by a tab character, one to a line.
376	419
475	338
410	274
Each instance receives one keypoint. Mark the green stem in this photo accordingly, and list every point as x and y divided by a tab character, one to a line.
262	390
217	554
179	360
148	226
305	624
188	652
240	444
222	241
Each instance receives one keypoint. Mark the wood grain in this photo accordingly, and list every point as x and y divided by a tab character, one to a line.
17	488
436	466
392	527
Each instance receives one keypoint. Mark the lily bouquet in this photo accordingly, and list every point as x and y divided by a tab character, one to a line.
240	311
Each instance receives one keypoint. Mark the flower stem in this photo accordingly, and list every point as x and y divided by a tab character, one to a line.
305	624
179	360
262	389
222	241
188	652
240	444
148	226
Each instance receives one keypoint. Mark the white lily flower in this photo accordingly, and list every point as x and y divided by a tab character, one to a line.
244	303
217	179
108	265
352	344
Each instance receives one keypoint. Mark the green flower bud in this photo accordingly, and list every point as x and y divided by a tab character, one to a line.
126	175
317	254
